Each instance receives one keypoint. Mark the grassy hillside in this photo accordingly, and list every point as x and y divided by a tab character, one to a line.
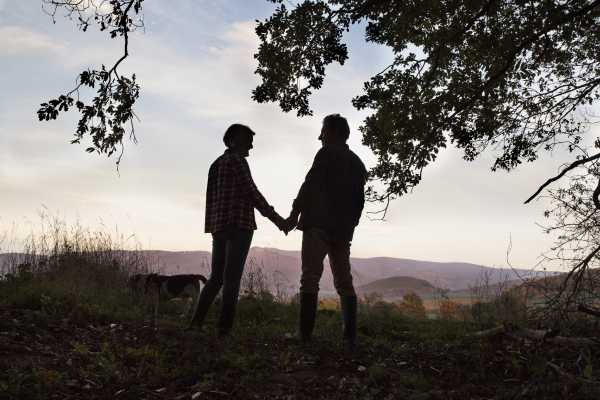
397	286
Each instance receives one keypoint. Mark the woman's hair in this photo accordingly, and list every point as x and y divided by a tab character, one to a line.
338	124
234	132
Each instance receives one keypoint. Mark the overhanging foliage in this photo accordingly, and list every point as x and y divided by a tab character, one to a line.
477	73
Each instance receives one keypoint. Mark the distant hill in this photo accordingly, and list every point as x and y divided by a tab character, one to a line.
184	262
396	286
451	275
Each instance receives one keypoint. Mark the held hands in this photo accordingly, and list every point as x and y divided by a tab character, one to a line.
286	225
282	224
292	220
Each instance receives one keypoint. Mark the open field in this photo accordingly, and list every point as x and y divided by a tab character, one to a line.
430	303
426	297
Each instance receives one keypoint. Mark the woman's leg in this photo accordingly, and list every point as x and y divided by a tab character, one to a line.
215	282
237	247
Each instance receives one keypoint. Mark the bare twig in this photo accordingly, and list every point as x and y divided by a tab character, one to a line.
564	171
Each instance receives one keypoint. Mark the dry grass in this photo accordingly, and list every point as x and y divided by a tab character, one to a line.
85	265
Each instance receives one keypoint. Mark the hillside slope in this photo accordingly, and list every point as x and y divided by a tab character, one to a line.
452	275
396	286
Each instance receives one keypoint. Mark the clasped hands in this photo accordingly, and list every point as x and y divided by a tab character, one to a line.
289	223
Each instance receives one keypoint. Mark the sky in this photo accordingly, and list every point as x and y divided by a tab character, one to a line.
194	62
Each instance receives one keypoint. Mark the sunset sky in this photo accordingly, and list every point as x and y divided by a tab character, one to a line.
194	63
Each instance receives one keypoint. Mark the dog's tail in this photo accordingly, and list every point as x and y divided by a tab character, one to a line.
201	277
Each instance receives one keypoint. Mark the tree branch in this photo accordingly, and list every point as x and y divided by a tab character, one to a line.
596	195
569	168
467	27
512	57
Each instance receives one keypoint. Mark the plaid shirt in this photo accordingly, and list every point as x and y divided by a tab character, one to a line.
332	195
231	195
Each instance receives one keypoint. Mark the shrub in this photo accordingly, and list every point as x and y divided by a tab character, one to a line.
505	308
412	305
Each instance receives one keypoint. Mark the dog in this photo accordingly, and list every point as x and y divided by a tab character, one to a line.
163	287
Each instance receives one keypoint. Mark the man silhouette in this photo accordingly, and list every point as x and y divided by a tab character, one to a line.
329	204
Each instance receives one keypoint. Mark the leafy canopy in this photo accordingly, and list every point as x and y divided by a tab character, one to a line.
476	73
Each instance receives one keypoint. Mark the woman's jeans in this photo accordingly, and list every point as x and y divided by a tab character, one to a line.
229	252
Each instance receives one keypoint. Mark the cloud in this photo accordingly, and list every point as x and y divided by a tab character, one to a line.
22	42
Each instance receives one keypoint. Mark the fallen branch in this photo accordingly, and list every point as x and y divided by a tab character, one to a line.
544	335
587	310
488	333
568	375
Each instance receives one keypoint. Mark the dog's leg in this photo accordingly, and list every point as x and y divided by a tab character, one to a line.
155	298
186	306
194	295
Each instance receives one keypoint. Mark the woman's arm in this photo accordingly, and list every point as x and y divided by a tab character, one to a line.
258	201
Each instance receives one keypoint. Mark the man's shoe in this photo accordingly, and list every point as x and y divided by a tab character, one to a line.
349	309
308	314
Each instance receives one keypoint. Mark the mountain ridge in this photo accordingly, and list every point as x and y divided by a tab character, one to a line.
450	275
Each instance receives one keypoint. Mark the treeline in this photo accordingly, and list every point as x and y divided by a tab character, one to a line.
411	304
397	286
546	286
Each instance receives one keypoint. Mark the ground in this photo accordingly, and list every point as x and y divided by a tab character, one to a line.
50	354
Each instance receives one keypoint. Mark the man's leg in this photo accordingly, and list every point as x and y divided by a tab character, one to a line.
314	249
215	282
238	245
339	260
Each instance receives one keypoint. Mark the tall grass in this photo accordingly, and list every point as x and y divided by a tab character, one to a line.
87	266
80	267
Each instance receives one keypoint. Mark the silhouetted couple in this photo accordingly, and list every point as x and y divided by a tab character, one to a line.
327	209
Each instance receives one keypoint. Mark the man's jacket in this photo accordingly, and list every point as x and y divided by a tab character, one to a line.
332	195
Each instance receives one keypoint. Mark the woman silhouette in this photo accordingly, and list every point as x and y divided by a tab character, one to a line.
231	197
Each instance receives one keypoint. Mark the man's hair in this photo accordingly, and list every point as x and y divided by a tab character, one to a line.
234	132
338	124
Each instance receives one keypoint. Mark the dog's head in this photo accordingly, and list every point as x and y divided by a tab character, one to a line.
135	283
